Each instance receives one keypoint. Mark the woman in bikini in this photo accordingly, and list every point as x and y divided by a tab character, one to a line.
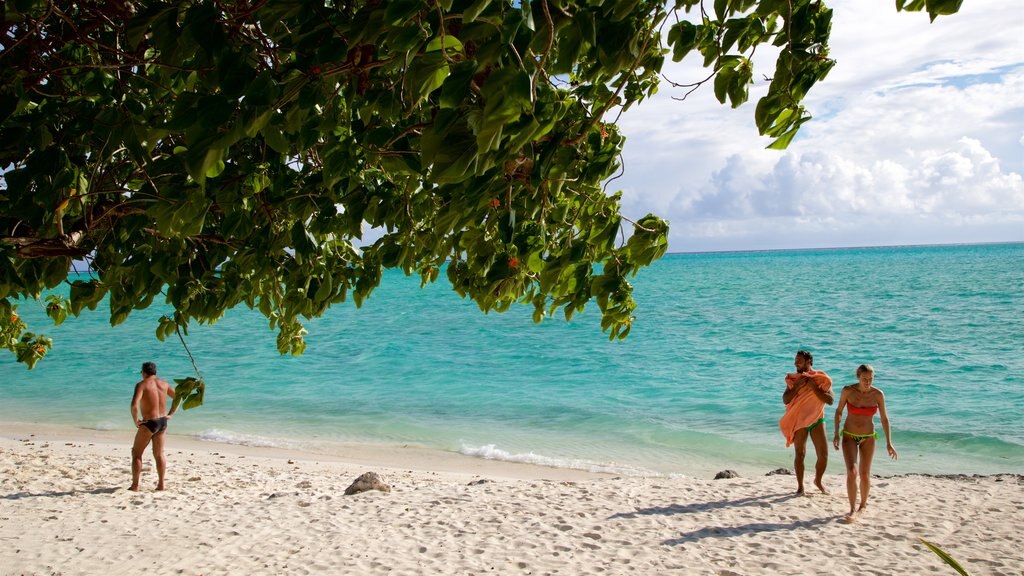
859	436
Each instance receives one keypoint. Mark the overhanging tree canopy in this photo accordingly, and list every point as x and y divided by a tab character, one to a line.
223	153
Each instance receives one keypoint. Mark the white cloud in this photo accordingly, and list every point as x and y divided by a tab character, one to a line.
917	139
951	189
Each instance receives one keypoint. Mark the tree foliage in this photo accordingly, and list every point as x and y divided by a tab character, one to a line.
217	153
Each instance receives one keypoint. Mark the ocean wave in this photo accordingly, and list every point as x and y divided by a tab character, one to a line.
492	452
965	443
228	437
105	426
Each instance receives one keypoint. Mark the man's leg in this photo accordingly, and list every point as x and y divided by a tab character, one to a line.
800	447
142	436
158	455
821	450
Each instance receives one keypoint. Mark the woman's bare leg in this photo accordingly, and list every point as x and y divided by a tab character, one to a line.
850	456
867	453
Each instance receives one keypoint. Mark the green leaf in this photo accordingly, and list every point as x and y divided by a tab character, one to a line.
139	25
447	43
911	5
527	15
56	309
426	74
738	84
455	89
622	9
474	10
945	557
195	400
165	327
782	142
86	295
275	138
406	39
203	160
189	393
506	97
683	38
720	9
234	73
216	168
326	289
722	81
938	8
201	23
449	147
263	91
399	11
253	122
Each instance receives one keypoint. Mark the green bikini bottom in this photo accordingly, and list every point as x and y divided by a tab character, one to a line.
813	426
858	438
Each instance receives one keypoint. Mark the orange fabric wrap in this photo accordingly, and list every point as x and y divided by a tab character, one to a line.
805	409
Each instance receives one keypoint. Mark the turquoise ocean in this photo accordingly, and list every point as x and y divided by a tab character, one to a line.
696	387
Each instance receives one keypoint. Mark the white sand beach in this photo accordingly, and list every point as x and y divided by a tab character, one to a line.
228	509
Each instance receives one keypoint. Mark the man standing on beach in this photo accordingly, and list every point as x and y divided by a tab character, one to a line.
807	392
150	396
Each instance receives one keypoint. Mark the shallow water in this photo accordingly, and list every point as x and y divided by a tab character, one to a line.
696	386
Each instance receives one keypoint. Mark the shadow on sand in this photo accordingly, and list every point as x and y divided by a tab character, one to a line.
763	501
752	528
21	495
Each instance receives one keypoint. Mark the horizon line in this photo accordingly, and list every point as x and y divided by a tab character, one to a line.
856	247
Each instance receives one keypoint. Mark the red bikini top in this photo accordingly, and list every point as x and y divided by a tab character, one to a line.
859	411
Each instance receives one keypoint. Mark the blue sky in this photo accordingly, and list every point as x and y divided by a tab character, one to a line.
917	138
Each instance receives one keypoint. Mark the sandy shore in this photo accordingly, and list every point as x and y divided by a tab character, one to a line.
237	510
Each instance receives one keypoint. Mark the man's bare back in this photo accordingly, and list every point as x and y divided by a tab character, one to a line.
150	397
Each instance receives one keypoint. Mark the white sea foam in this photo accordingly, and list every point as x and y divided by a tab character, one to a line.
492	452
229	437
105	426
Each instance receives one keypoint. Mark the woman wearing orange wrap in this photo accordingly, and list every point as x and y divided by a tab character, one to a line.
858	435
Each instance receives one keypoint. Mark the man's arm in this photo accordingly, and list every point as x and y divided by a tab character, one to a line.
793	383
817	381
135	404
170	394
792	386
825	396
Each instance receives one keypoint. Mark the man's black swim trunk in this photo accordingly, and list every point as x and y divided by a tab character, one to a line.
156	425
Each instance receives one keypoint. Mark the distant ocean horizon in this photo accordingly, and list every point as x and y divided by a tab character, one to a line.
843	247
696	386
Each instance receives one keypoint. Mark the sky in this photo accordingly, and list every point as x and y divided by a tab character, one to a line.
917	137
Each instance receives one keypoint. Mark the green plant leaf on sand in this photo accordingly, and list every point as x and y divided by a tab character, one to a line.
945	557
